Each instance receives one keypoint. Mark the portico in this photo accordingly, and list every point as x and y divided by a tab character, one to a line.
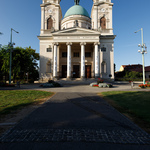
74	60
75	53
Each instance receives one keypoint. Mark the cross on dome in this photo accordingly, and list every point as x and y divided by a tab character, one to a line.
76	2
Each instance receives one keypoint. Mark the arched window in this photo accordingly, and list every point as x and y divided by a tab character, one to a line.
49	23
103	23
103	67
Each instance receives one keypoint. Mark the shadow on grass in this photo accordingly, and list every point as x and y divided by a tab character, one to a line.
131	103
10	109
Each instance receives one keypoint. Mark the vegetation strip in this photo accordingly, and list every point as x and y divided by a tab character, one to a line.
15	99
132	103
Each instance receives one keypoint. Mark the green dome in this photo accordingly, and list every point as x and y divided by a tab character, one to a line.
76	10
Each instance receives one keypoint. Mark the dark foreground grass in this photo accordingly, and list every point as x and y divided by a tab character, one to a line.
133	103
15	99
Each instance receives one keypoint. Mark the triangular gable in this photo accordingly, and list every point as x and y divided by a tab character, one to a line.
76	30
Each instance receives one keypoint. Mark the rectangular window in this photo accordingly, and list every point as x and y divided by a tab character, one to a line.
103	49
49	49
76	54
64	54
87	54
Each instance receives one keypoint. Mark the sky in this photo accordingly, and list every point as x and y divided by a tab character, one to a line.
128	16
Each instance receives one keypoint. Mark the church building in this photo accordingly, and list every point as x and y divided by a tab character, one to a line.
76	45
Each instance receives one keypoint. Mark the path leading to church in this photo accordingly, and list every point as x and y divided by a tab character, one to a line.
74	121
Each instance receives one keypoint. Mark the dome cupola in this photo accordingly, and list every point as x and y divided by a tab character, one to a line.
76	10
76	14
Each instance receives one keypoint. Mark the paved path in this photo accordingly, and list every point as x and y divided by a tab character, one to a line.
75	121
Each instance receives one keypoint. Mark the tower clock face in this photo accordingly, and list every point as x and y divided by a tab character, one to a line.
103	10
50	11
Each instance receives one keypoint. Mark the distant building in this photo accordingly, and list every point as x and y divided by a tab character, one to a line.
77	45
147	72
134	67
137	68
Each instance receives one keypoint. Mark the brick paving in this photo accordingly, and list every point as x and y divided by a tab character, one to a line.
73	135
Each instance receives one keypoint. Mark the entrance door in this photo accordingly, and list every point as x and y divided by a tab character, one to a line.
76	71
64	71
88	71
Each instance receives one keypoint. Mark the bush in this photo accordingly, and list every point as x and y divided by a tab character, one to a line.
2	84
50	83
31	80
56	84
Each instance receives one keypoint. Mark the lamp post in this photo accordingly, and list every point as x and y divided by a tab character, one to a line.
142	51
11	49
0	34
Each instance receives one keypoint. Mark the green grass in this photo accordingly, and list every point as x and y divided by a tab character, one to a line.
15	99
134	103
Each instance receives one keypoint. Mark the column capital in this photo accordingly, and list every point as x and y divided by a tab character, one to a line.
97	43
56	43
82	43
68	43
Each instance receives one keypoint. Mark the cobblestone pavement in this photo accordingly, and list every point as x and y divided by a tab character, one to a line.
76	117
73	135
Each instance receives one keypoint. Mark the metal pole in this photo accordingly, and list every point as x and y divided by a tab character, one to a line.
143	56
11	49
10	57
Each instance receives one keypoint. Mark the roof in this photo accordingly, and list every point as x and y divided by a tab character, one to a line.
136	67
76	10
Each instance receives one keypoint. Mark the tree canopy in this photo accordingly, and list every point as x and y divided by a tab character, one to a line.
24	60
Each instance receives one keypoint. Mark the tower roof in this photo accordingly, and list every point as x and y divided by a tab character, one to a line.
76	10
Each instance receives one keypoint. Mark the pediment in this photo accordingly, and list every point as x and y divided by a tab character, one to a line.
76	31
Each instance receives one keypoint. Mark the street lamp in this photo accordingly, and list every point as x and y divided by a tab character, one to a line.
0	34
142	51
11	49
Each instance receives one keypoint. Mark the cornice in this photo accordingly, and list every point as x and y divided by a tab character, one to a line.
48	3
107	36
100	3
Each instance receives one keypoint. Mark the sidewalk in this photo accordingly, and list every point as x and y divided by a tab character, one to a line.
79	86
75	121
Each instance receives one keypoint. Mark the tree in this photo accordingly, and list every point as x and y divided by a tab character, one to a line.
133	74
24	60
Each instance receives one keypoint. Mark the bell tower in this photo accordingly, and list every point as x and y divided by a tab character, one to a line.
101	15
51	15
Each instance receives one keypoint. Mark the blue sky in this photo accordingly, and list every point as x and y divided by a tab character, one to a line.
128	17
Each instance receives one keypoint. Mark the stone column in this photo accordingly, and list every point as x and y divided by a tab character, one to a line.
55	61
97	60
68	60
82	60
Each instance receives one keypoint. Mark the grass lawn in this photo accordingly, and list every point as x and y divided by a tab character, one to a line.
133	103
14	99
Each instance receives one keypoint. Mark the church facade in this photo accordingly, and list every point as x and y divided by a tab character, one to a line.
76	45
